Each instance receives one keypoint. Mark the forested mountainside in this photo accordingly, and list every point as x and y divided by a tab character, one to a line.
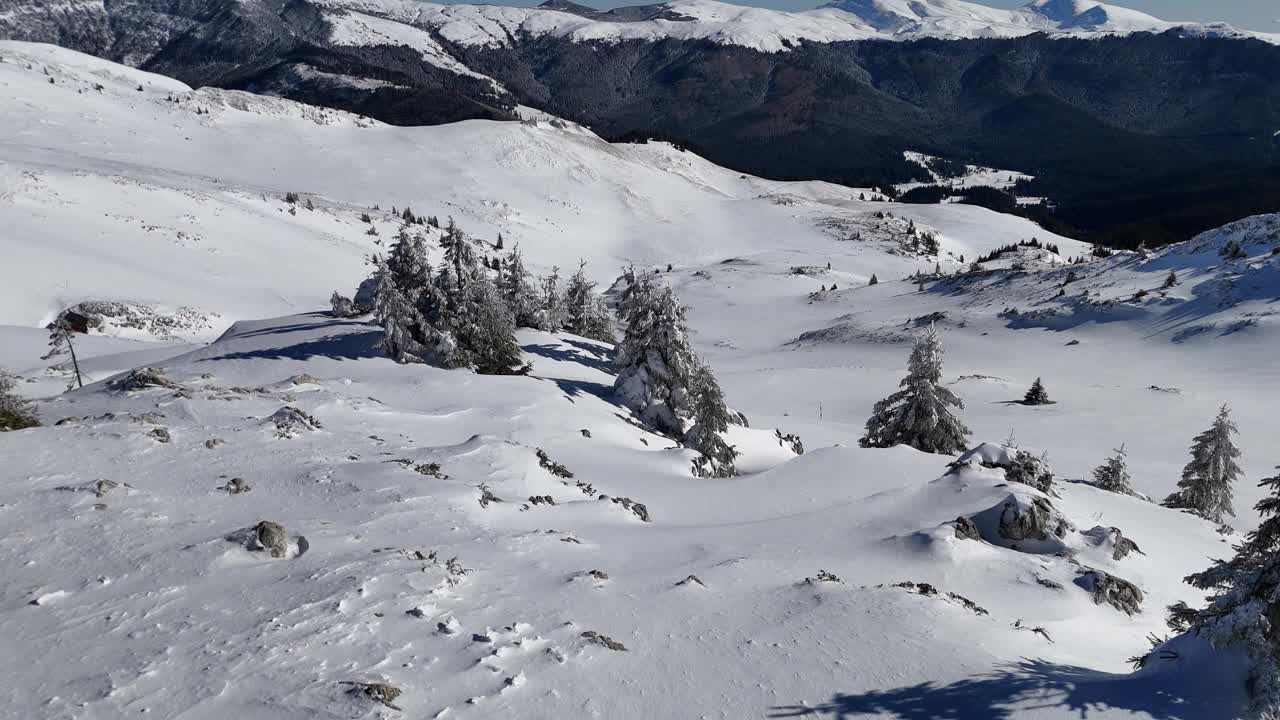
1138	137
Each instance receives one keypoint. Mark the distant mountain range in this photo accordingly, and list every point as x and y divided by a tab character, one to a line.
1144	130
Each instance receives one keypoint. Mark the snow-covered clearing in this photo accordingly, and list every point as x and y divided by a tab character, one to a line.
132	584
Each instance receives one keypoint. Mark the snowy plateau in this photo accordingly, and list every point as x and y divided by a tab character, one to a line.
250	511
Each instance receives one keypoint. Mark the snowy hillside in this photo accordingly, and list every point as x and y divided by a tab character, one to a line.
473	546
753	27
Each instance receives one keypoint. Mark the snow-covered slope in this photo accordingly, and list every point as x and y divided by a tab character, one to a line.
770	30
137	188
132	585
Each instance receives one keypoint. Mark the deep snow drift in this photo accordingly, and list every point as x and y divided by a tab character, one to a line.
416	553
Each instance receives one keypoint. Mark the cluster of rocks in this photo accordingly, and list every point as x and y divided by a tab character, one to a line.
639	509
290	422
1027	521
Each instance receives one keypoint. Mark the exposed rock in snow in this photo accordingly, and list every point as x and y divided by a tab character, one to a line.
1112	538
1106	588
272	537
141	379
1027	522
289	421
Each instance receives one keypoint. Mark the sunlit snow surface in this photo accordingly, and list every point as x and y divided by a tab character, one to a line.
125	600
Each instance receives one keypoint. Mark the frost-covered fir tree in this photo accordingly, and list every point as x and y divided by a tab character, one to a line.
585	313
919	414
491	338
654	360
407	263
1244	607
551	309
60	344
15	411
398	317
472	312
1205	488
517	291
710	418
1036	394
1113	475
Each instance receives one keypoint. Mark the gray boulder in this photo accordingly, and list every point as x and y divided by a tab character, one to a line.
1106	588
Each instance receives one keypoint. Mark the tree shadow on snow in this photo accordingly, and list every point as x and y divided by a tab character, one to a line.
582	354
1017	688
341	346
577	388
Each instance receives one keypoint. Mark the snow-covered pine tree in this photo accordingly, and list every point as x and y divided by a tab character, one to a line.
710	418
551	311
919	414
1113	475
1205	488
585	312
61	343
578	300
599	322
15	411
1244	607
472	312
517	290
1036	394
407	264
398	318
654	360
491	338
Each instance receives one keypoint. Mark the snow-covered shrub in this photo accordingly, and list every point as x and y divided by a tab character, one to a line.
15	411
1019	466
341	306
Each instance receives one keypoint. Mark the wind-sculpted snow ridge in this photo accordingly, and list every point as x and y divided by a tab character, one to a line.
771	30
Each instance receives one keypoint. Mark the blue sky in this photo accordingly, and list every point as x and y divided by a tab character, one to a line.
1263	15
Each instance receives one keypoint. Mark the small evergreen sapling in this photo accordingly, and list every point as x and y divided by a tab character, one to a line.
919	414
517	291
1036	394
585	313
551	313
61	343
15	411
1205	488
342	306
1113	475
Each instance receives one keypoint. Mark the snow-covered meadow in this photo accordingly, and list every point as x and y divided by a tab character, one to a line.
418	555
